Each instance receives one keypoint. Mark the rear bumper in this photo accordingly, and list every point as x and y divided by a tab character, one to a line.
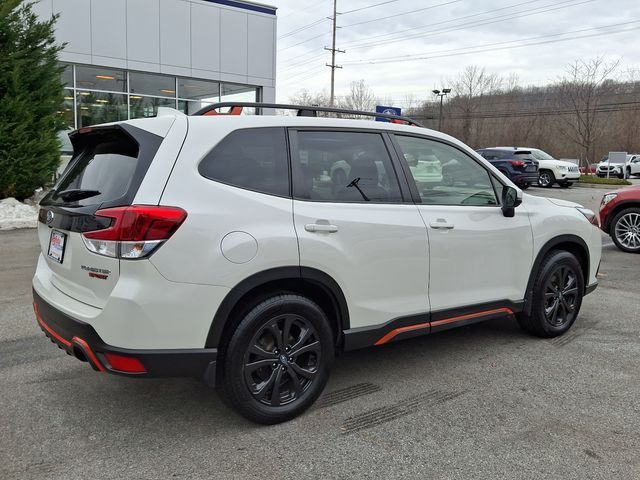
529	177
81	340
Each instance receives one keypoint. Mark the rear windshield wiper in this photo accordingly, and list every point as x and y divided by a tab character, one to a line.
77	194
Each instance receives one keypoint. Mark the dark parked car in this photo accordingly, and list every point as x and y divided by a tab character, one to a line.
518	165
620	217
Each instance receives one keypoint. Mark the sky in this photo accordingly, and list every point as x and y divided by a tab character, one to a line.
407	48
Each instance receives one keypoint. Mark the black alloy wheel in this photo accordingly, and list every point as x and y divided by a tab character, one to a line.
557	294
282	360
561	296
278	358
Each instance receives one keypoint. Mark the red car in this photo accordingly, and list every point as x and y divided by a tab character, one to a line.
620	217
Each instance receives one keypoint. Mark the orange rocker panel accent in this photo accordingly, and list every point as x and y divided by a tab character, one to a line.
393	333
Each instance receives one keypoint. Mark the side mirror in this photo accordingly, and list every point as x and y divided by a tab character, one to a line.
510	201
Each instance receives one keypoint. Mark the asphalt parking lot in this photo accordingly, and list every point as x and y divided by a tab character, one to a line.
483	401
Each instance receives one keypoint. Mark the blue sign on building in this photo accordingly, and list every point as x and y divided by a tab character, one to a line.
388	111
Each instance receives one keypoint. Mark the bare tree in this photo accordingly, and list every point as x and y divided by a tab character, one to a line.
469	89
304	97
360	97
581	91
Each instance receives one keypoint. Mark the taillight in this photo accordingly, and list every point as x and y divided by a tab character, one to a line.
517	163
135	231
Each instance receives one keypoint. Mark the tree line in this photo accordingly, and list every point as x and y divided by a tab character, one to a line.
591	109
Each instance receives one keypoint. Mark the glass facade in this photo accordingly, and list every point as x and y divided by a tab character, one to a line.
101	94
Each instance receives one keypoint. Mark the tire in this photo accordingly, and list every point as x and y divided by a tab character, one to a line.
525	185
559	268
628	172
625	230
304	359
565	184
621	176
546	178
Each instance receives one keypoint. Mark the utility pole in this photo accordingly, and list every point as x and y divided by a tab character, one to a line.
441	94
333	53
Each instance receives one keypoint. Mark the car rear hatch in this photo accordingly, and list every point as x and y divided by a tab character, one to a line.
106	170
524	161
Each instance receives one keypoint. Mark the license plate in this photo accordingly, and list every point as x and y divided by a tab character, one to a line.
56	245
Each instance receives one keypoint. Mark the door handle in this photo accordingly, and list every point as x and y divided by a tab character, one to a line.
321	227
441	225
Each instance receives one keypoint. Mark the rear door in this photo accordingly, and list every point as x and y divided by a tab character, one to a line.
364	232
106	170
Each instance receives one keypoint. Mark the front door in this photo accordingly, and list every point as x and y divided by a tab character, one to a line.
477	255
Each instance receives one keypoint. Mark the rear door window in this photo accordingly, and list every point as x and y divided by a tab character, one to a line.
342	166
253	158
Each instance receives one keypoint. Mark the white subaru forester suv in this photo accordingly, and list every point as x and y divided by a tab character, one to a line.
217	247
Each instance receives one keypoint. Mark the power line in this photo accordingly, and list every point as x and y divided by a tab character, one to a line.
477	23
401	14
481	49
304	41
305	9
602	108
300	64
443	22
302	28
365	8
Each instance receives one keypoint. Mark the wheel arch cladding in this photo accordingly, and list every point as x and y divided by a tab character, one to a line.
569	243
306	281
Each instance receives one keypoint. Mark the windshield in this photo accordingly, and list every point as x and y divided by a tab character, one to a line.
540	155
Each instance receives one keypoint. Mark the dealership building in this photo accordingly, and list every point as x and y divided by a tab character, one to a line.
125	58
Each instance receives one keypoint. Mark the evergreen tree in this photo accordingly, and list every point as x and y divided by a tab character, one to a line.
30	97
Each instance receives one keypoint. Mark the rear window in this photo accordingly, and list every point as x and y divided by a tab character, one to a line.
105	164
253	158
107	167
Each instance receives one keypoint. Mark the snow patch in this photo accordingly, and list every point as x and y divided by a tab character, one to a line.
15	214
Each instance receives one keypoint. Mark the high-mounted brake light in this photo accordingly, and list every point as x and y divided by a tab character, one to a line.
517	163
135	231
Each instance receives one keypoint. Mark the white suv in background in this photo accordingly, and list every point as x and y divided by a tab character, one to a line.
552	171
618	169
218	247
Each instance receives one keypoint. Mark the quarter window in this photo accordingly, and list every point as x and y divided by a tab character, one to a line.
255	159
344	167
444	175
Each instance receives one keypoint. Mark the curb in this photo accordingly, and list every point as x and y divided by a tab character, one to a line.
601	186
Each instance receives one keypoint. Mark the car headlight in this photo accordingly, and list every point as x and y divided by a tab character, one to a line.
607	198
589	215
562	168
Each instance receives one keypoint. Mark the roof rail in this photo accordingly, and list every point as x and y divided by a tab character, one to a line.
302	111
